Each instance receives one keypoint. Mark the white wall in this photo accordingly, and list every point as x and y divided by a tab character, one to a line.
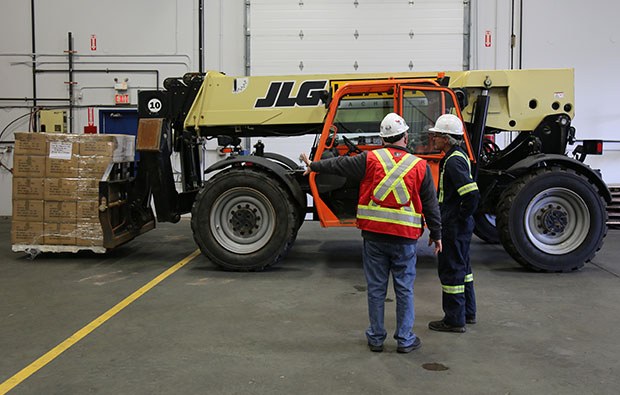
584	35
225	36
162	35
491	28
157	35
557	34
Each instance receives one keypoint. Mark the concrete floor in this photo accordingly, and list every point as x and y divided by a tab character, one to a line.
299	327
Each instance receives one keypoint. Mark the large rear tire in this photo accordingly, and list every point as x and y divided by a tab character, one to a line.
552	219
244	220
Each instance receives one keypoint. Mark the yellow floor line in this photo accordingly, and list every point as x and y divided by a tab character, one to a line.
79	335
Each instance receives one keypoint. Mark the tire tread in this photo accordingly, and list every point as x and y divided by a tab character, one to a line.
245	172
503	217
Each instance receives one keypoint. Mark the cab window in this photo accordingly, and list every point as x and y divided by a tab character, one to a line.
421	108
359	117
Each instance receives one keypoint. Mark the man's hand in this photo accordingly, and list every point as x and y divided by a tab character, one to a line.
304	158
437	245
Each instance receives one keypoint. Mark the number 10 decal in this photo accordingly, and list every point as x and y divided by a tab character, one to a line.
154	105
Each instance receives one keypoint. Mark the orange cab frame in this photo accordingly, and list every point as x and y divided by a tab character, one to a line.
325	214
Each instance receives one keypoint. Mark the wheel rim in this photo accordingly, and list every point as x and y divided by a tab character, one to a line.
242	220
557	221
491	219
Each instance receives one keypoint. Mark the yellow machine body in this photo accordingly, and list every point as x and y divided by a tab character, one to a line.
519	99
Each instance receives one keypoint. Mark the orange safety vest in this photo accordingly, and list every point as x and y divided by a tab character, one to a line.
389	194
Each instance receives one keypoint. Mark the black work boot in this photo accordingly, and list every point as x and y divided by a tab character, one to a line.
374	348
441	326
470	319
414	346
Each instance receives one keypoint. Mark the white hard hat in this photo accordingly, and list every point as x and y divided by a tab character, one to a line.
392	125
449	124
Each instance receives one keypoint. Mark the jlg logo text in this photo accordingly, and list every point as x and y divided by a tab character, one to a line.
279	94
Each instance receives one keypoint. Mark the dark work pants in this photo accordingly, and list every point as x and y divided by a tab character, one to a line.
458	298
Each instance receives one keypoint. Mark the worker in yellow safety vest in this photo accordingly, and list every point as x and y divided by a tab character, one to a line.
458	200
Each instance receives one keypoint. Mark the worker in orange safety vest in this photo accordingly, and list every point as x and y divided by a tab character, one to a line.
396	189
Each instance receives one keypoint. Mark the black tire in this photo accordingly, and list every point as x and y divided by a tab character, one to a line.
244	220
552	219
486	227
299	214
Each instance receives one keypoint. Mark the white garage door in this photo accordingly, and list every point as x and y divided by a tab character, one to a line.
349	36
342	36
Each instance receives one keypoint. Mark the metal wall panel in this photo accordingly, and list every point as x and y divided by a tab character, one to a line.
142	41
584	36
491	30
138	27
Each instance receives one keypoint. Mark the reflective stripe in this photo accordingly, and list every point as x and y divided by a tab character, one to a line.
393	181
469	278
405	216
453	289
467	188
394	176
462	155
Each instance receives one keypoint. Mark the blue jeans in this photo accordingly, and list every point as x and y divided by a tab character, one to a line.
379	259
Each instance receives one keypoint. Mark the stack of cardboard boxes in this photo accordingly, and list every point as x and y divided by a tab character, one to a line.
56	186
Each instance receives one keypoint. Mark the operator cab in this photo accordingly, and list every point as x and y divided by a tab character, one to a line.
352	127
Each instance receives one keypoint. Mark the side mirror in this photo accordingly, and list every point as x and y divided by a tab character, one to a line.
326	97
329	143
461	96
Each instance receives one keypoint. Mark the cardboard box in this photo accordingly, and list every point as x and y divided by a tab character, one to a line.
62	151
28	210
93	166
30	143
60	189
59	234
62	146
27	233
88	189
28	188
88	211
100	145
117	147
89	234
29	166
60	212
62	168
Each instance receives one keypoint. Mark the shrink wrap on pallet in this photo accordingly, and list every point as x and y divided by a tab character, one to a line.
56	188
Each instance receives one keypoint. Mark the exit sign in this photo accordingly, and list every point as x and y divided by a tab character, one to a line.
121	99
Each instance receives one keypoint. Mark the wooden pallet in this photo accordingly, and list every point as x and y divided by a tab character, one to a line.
32	250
